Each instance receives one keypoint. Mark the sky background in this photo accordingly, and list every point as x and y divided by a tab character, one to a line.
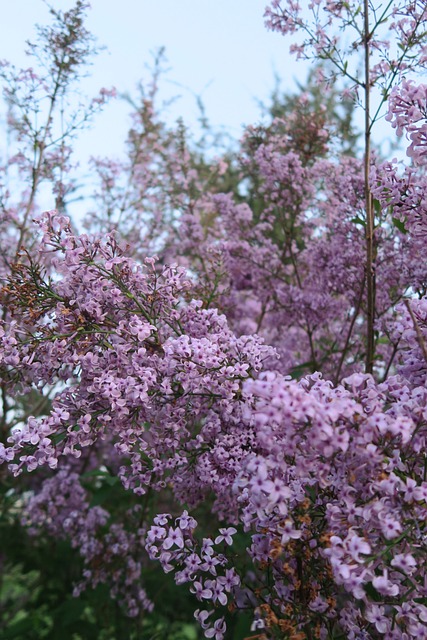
219	50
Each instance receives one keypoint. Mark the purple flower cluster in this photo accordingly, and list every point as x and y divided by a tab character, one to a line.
111	553
191	381
201	565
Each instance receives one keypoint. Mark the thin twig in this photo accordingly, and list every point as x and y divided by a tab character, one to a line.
420	336
350	331
370	266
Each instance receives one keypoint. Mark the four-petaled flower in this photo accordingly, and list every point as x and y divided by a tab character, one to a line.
226	535
174	537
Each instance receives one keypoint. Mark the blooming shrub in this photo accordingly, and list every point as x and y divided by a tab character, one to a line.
242	417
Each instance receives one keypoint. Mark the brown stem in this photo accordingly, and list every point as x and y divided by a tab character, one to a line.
390	362
420	336
38	164
309	331
5	411
350	331
370	258
262	314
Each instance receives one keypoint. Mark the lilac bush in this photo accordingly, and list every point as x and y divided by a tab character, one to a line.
222	383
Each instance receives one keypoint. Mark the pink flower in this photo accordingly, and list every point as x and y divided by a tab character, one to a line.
383	585
226	535
174	537
375	614
356	546
405	562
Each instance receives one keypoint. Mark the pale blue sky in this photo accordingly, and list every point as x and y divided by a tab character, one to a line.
218	49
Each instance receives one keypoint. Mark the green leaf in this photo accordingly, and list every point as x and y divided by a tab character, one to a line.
399	225
373	593
358	220
242	625
189	632
297	371
105	476
19	629
103	495
71	611
377	206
